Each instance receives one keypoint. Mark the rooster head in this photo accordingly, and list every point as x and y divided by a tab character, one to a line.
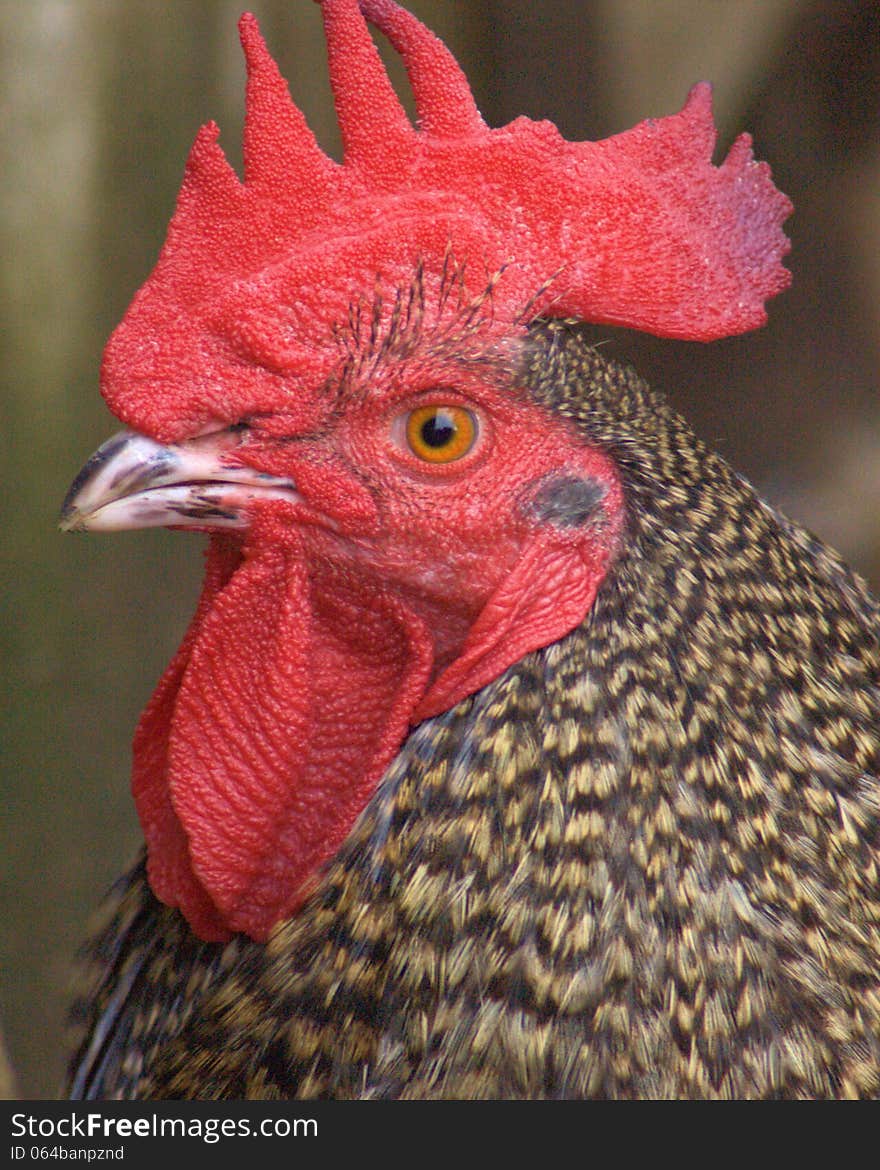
323	374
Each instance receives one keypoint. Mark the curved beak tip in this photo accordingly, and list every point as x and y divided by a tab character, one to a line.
133	482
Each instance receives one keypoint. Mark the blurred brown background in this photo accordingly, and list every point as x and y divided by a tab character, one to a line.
100	102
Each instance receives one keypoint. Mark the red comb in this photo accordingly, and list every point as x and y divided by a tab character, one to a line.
640	229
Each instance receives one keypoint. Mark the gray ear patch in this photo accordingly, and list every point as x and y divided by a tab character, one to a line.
568	501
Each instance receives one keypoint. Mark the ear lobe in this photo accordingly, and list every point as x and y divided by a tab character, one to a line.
546	595
566	500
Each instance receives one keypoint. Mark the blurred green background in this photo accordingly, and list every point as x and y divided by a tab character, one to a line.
100	102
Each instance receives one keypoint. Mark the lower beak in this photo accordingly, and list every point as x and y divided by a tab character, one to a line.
133	482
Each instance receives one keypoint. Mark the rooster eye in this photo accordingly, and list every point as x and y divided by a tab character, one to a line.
440	434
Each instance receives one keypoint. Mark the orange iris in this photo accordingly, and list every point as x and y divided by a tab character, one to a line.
440	434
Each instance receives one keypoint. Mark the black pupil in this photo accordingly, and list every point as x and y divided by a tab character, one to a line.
438	430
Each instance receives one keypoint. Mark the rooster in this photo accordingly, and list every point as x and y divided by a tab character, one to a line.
516	748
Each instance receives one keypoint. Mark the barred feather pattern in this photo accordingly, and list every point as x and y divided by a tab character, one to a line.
640	864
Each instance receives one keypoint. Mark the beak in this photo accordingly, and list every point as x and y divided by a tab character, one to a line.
132	482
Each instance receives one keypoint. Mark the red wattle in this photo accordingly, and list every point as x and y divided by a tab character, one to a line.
547	594
168	863
291	694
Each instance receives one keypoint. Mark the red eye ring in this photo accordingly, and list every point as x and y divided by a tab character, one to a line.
440	434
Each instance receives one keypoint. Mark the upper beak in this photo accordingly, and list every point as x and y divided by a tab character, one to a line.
133	482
